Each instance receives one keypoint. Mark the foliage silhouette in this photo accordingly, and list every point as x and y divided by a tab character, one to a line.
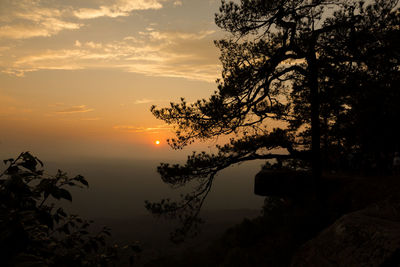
300	63
34	231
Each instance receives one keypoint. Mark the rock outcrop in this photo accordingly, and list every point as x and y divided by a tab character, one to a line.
368	237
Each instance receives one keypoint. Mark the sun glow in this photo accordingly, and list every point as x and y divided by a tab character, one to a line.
157	142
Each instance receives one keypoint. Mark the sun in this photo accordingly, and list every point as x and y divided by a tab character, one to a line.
157	142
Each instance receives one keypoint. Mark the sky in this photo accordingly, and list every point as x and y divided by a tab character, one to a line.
78	78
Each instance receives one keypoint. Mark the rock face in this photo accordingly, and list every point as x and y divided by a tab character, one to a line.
369	237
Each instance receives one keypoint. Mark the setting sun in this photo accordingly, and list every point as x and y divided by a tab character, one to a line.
157	142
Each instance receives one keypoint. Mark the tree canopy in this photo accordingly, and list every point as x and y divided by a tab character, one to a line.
312	69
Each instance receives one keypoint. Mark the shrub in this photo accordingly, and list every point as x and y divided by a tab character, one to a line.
36	231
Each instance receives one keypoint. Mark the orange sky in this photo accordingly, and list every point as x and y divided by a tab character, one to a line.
79	77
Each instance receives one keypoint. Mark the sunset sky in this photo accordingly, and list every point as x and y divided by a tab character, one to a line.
79	77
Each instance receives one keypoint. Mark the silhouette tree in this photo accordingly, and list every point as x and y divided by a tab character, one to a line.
369	80
359	73
281	64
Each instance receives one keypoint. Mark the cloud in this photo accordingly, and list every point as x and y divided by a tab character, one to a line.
178	3
77	43
75	109
64	59
177	35
146	101
118	9
135	129
26	19
93	45
189	55
43	29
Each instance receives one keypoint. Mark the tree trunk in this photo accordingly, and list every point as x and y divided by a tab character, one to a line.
315	125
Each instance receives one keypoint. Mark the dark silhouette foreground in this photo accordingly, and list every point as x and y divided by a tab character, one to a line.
356	224
36	231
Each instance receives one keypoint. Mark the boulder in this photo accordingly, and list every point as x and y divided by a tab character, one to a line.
368	237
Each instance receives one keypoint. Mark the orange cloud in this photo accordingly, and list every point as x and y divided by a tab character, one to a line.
75	109
146	101
135	129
